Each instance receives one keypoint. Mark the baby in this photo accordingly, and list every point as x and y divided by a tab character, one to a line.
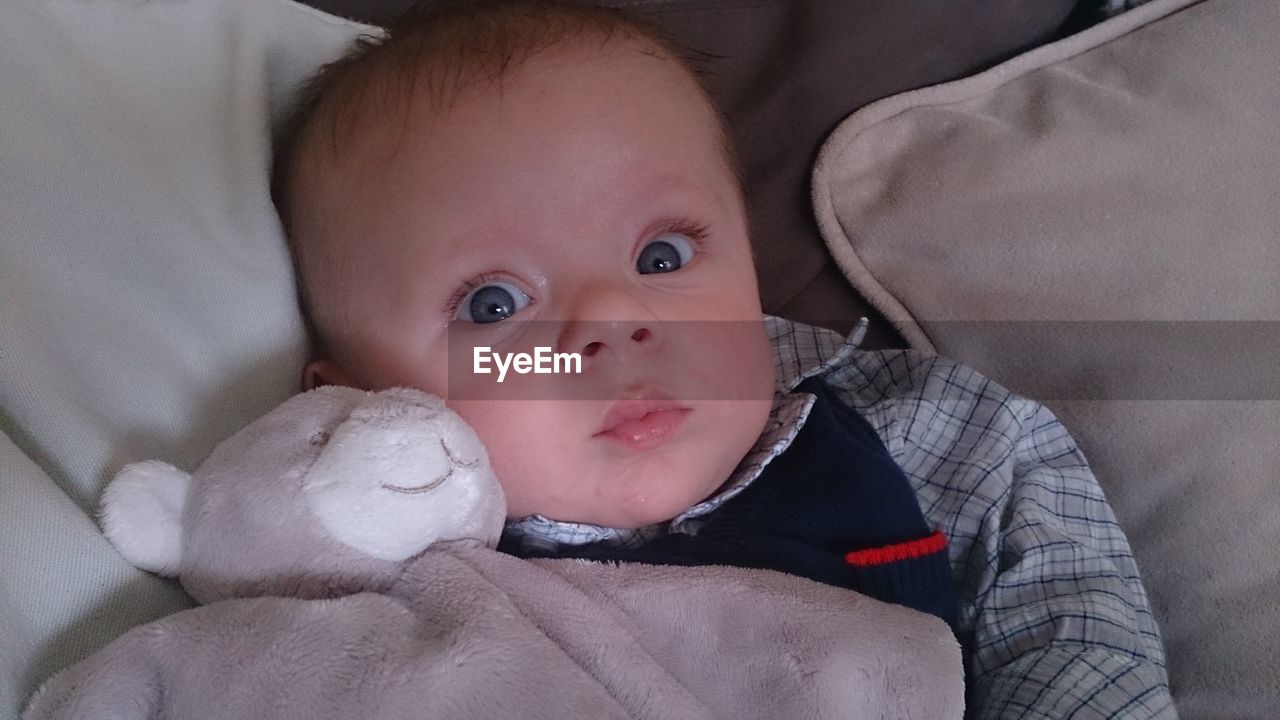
519	177
505	176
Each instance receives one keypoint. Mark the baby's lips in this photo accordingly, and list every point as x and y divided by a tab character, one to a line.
635	404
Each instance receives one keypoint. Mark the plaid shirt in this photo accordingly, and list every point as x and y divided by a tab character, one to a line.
1053	616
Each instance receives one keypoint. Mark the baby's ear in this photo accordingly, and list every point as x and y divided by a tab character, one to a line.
141	515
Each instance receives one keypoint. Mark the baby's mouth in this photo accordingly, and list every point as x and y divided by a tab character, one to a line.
643	420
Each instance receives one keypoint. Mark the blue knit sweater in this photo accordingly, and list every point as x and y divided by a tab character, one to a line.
833	507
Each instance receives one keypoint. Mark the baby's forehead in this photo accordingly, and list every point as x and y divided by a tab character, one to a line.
367	125
428	92
396	91
436	53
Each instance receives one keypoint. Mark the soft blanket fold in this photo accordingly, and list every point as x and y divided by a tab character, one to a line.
470	633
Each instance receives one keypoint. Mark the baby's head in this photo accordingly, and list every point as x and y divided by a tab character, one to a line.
531	174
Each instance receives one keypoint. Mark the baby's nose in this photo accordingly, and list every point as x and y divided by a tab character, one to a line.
616	335
606	320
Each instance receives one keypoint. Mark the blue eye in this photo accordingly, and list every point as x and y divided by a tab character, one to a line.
665	254
491	303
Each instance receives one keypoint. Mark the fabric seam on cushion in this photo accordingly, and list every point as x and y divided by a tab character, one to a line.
845	134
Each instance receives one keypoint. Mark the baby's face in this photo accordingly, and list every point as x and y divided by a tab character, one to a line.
586	207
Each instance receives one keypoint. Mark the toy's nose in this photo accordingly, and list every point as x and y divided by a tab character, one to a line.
435	467
459	441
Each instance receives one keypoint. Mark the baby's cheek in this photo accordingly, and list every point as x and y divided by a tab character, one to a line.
523	438
739	361
500	424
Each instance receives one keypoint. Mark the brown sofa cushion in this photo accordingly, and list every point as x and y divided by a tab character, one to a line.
790	71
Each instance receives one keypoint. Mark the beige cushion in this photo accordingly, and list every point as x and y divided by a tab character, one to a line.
65	590
146	299
1096	224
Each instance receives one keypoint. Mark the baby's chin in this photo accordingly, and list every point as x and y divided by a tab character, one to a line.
680	488
667	500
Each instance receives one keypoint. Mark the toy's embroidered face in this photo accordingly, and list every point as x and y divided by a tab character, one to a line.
585	205
398	475
326	495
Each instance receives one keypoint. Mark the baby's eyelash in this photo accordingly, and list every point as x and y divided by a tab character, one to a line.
695	231
455	302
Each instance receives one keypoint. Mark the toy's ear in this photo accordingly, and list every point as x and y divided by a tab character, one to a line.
142	515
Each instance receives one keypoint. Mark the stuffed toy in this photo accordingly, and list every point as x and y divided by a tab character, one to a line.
342	547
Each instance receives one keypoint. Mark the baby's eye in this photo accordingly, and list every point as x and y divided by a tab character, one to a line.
491	303
665	254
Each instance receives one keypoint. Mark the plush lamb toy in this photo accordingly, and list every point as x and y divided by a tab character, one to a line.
343	545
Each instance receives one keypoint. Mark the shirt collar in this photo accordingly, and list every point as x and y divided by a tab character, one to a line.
799	352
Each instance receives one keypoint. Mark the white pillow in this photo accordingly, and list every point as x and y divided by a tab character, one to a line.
146	299
1095	224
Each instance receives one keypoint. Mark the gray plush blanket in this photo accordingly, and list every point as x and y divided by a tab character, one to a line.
468	633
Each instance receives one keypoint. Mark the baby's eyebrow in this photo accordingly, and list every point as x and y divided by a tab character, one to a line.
667	194
676	187
672	181
457	247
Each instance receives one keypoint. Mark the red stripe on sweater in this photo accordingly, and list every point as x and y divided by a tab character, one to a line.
901	551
